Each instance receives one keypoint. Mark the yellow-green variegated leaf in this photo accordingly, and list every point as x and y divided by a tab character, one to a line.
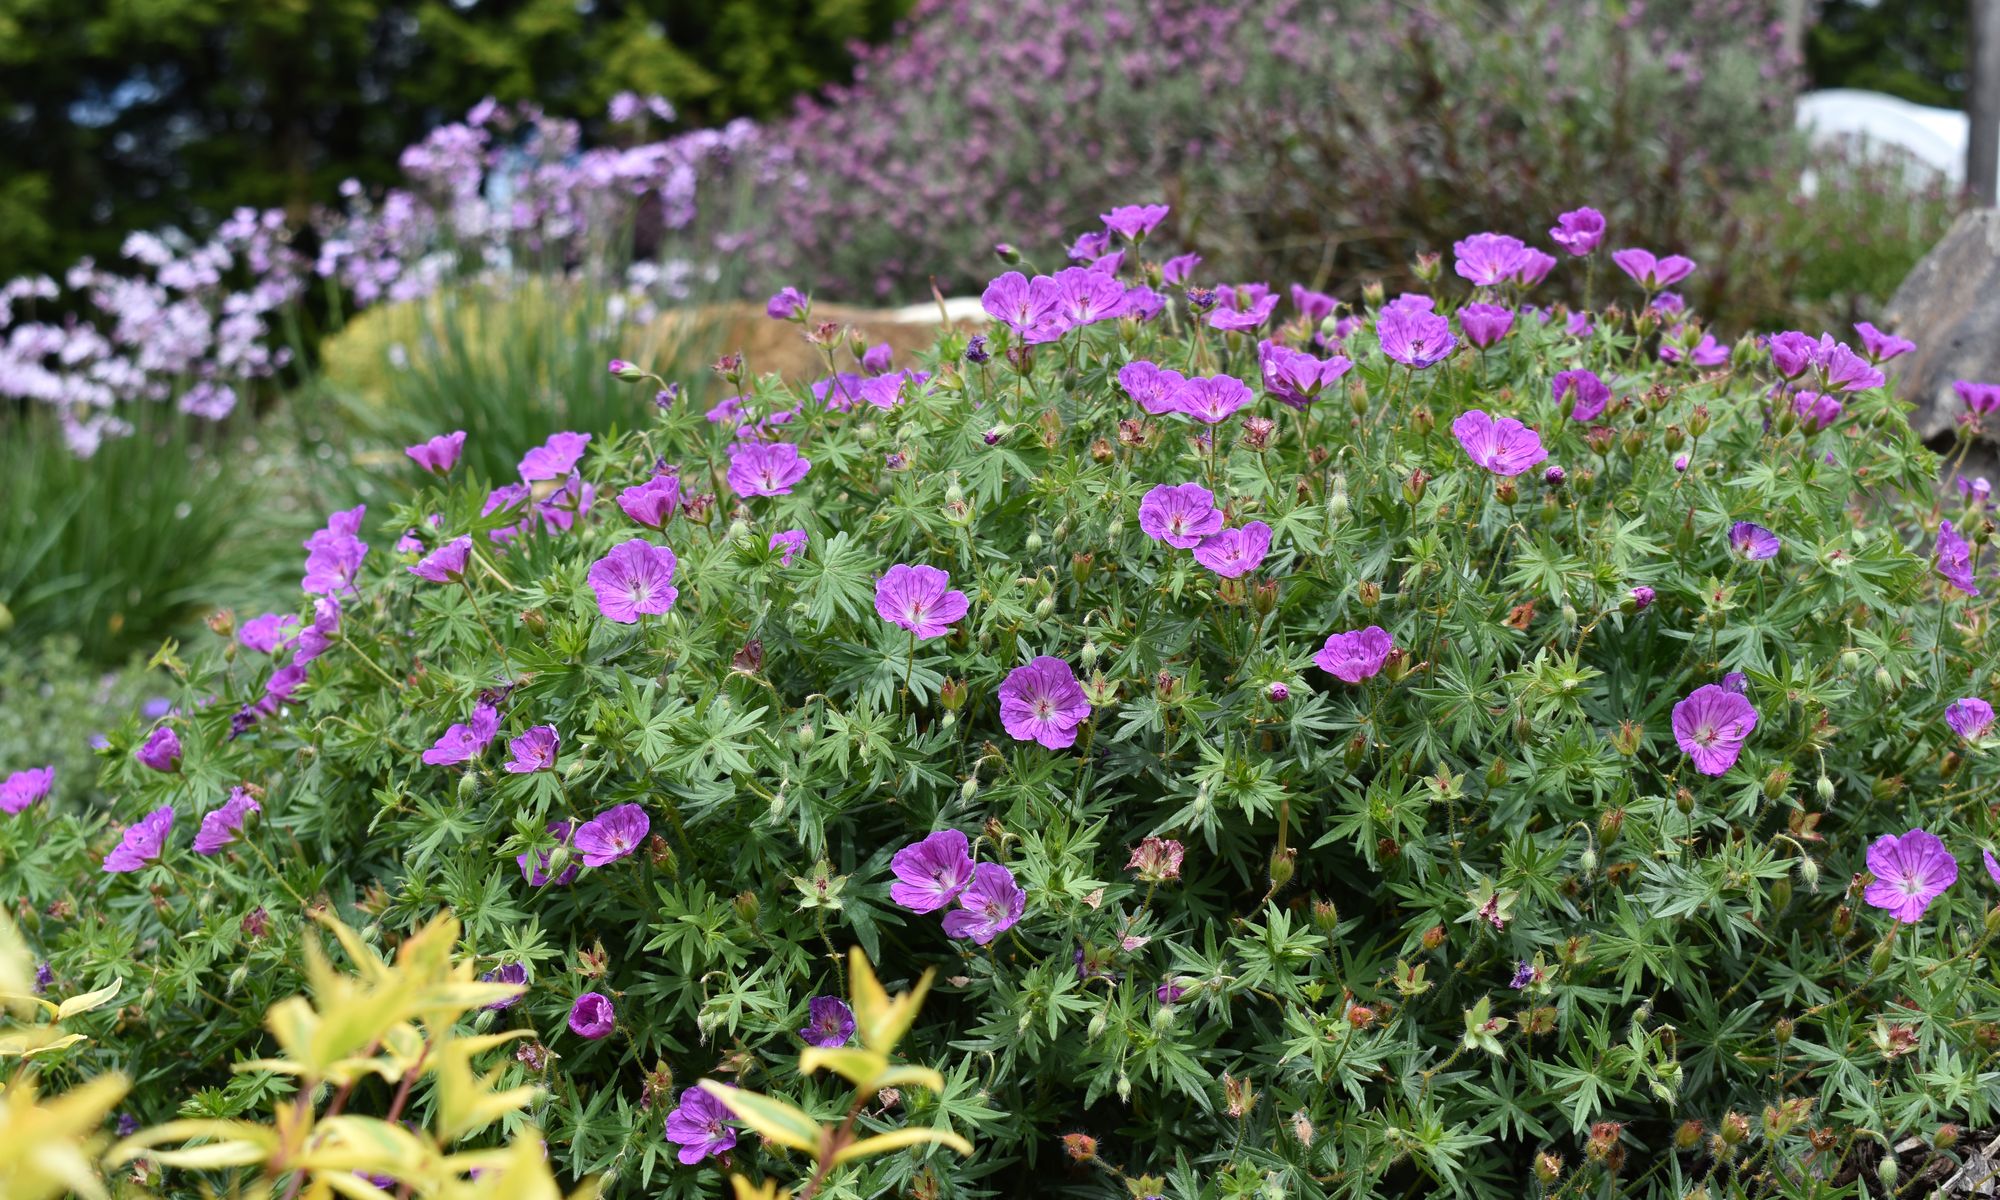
350	1185
853	1063
146	1140
212	1156
22	999
767	1190
900	1139
88	1001
64	1042
923	1077
770	1117
881	1021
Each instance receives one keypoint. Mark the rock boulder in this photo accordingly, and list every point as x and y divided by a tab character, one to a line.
1950	307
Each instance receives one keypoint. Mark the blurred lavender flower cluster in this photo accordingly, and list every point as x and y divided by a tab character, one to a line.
188	322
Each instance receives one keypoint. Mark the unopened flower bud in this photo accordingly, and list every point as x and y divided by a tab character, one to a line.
1413	487
1434	937
1688	1136
1264	597
968	789
1283	863
1034	541
1080	1147
1548	1168
747	907
1423	421
1610	824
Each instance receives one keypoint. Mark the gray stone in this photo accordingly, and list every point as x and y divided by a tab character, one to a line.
1950	307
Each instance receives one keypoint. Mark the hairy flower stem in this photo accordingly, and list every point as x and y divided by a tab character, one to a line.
480	613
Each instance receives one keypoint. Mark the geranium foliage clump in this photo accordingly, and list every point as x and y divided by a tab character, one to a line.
1415	748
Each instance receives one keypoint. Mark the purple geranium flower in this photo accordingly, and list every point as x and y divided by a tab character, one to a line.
1485	324
534	750
1294	377
988	907
1642	598
161	751
1879	346
1816	410
507	496
554	458
1979	398
1356	655
635	579
1415	337
1969	717
1534	267
1211	399
465	742
447	563
653	502
220	827
1978	490
612	834
766	468
1711	725
592	1016
1235	320
1026	306
143	842
1313	306
1503	446
919	599
1578	230
334	554
537	874
788	544
1910	871
1487	259
268	633
700	1127
1653	273
1707	353
1180	515
23	788
931	873
1792	353
1152	386
784	304
440	454
1134	221
1753	541
1954	559
829	1022
1843	370
1085	296
1042	702
1234	553
1588	394
513	973
1992	866
1177	269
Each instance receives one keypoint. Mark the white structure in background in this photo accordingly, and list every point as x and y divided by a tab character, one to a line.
1933	138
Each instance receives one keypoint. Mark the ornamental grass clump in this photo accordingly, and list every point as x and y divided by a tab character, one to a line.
1447	761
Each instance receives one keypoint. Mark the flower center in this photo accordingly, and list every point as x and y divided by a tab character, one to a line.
1044	709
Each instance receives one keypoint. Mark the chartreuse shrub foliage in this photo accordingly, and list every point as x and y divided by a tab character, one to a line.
1438	748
